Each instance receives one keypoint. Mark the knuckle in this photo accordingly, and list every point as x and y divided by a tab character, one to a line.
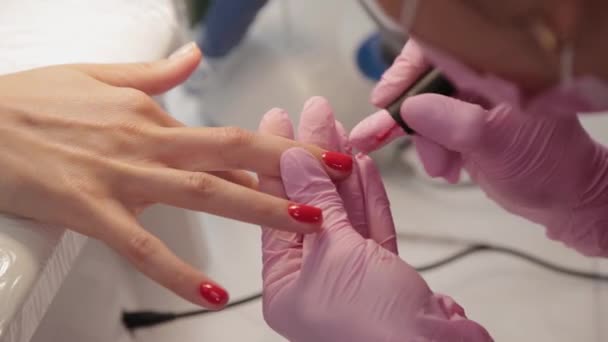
141	247
82	186
129	129
138	100
201	184
145	67
234	141
236	137
471	131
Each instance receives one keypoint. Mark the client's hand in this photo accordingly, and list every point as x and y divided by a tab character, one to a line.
345	283
87	148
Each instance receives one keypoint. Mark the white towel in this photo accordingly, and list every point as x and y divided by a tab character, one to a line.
37	32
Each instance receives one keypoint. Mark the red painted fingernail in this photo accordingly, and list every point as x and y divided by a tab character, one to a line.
338	161
305	213
213	294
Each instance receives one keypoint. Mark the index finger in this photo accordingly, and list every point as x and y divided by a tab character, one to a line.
232	148
406	69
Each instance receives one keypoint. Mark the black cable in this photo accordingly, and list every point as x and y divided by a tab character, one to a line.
480	247
139	319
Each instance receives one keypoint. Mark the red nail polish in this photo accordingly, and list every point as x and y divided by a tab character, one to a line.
338	161
213	294
305	213
383	136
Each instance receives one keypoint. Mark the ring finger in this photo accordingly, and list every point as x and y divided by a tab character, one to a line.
208	193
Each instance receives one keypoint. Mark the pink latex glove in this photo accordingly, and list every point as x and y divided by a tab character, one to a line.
336	285
544	168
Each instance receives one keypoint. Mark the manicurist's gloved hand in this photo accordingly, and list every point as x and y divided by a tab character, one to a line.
543	167
346	282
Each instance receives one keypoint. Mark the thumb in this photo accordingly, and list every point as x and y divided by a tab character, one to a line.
451	123
406	69
445	127
150	77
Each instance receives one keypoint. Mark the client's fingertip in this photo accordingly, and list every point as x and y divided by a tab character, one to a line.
374	132
305	213
214	295
338	161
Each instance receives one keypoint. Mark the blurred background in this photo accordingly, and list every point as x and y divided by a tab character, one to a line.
268	54
278	53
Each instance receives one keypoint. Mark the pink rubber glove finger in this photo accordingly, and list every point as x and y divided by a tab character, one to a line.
318	126
406	69
379	224
351	190
438	161
372	200
452	175
281	250
445	128
380	129
345	146
443	120
454	124
378	209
